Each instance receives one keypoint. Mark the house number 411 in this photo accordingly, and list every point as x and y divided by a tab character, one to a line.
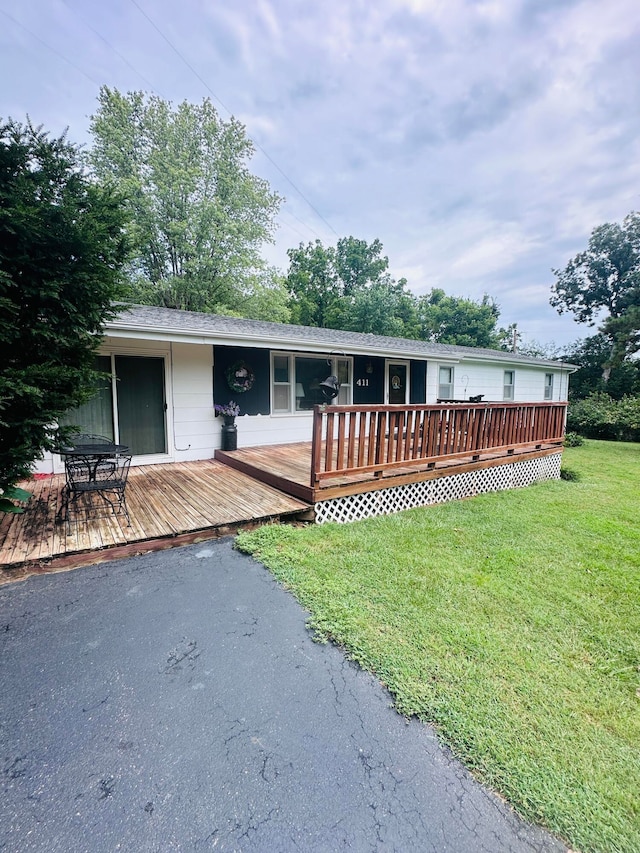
362	383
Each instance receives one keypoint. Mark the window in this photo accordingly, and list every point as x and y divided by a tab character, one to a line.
548	386
297	378
281	384
509	384
343	372
445	383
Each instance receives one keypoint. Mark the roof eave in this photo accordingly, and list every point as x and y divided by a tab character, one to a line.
128	330
120	328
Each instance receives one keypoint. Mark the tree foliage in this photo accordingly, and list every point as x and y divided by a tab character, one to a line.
198	216
266	298
454	320
386	307
62	247
344	287
349	287
606	278
315	287
590	354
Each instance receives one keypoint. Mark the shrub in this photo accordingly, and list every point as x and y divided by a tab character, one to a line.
569	474
573	439
599	416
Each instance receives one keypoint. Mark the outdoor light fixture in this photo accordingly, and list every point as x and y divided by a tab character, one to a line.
330	387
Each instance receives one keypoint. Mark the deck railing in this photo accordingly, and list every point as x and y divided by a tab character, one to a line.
360	439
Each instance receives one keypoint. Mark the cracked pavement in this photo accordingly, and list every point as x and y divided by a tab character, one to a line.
176	701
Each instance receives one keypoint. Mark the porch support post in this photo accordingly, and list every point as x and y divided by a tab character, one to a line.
316	445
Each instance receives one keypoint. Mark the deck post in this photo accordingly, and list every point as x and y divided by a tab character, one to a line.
316	445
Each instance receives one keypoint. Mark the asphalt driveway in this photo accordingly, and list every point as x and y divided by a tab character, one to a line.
176	701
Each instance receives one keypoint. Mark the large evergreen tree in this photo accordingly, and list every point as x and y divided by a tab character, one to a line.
62	247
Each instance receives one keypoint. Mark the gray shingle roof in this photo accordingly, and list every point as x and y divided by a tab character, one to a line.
218	327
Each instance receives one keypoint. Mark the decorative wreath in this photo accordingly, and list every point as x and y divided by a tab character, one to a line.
240	377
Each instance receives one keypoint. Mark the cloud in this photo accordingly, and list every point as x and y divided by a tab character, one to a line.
479	141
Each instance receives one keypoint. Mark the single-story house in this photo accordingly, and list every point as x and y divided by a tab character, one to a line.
168	368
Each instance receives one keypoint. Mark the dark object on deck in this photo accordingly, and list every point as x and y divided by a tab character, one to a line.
229	434
95	465
476	399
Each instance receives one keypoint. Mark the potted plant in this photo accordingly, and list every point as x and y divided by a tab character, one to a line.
229	412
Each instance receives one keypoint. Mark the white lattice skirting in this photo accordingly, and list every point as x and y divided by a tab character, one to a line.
396	498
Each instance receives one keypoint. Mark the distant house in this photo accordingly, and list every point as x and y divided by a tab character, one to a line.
168	368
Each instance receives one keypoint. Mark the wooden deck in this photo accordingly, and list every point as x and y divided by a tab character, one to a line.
364	450
287	467
168	505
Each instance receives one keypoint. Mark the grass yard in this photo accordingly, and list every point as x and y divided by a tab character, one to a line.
511	622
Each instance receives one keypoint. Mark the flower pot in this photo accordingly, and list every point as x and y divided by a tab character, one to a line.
229	420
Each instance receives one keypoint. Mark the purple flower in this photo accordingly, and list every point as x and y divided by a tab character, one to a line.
229	410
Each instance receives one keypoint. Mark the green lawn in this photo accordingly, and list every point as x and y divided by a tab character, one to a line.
511	622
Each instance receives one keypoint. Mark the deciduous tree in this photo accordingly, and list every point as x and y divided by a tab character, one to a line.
454	320
349	287
314	285
590	354
605	279
199	217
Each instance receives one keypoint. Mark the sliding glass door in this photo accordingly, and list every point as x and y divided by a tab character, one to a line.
141	404
129	405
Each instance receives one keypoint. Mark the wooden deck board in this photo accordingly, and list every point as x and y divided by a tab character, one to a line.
164	501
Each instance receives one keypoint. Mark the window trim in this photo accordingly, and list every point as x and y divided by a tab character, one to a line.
451	384
334	358
548	387
406	363
509	388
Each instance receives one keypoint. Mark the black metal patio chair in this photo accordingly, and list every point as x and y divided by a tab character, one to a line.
96	484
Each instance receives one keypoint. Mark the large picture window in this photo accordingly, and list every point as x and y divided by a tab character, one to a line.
296	379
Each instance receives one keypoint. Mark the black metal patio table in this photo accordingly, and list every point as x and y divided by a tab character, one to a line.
95	465
94	452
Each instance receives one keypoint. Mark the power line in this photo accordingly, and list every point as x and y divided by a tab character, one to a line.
285	224
52	49
225	107
112	48
153	88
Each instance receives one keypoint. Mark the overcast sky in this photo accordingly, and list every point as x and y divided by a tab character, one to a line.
481	142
